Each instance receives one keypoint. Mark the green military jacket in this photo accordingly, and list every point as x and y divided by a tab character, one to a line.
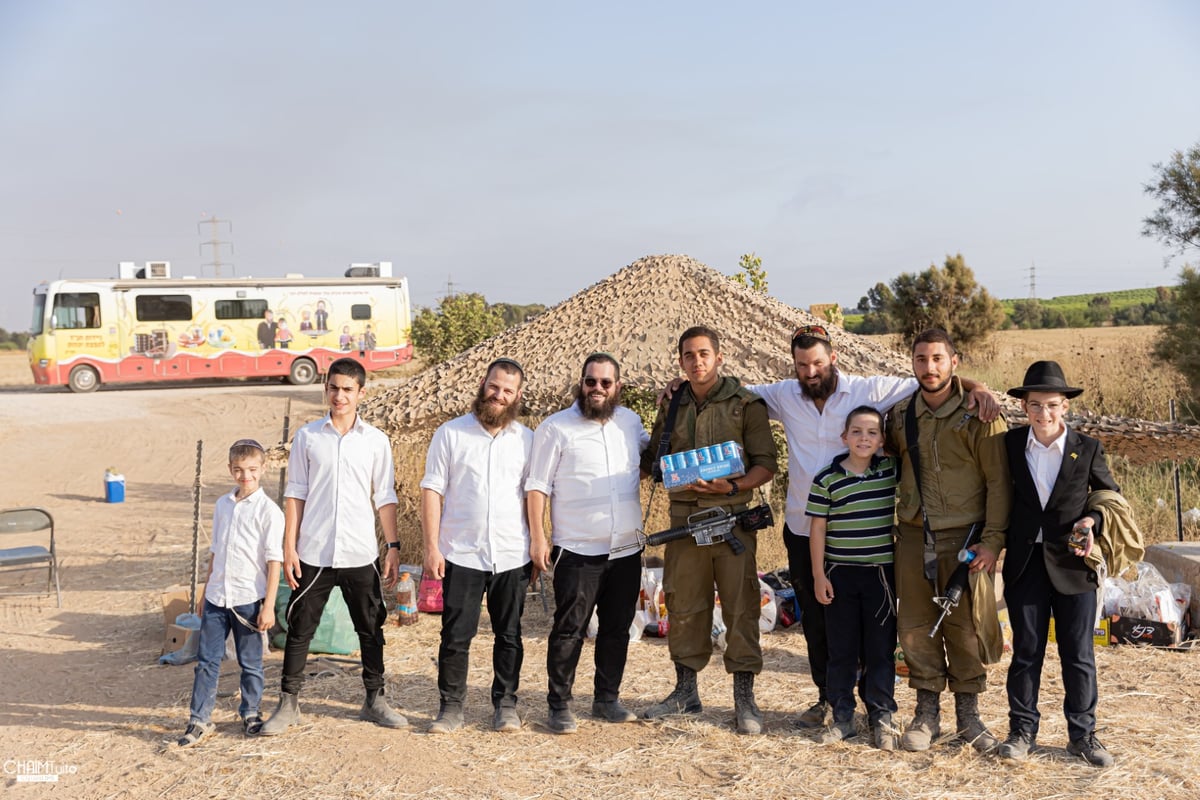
730	413
964	468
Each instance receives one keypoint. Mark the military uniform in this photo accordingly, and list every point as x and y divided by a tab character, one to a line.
964	474
729	413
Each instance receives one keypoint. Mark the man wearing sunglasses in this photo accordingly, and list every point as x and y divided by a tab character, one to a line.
812	409
585	459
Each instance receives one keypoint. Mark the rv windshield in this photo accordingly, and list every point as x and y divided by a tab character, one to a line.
39	314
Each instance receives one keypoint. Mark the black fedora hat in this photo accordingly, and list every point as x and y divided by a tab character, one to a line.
1045	376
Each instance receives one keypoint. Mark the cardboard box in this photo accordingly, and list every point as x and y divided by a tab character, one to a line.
725	460
175	602
176	637
1131	630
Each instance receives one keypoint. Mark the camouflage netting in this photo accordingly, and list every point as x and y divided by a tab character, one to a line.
637	315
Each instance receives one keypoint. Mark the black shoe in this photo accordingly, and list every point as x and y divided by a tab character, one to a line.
252	726
562	721
1017	746
1091	751
813	716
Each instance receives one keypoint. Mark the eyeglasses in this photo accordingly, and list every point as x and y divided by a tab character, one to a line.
1053	407
605	383
812	332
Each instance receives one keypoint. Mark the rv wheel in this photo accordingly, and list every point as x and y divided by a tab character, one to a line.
303	372
83	379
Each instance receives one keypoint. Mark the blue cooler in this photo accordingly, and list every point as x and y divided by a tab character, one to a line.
114	488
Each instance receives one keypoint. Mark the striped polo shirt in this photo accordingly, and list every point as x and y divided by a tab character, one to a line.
859	511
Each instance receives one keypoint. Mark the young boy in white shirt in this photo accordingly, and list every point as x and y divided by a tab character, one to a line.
239	595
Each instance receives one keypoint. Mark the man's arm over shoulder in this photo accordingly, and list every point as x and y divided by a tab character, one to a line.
772	394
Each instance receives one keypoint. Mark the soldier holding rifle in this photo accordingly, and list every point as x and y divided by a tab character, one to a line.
713	409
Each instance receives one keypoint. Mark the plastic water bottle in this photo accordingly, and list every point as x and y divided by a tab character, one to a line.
966	556
406	600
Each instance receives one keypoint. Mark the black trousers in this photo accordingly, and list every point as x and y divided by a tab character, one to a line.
812	613
364	598
583	584
863	613
1031	599
463	590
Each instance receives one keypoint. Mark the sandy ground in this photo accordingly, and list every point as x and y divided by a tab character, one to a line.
80	687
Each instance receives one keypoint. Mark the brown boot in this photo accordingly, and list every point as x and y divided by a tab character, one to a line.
926	722
970	727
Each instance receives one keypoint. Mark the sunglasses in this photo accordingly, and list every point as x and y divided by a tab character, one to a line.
811	332
605	383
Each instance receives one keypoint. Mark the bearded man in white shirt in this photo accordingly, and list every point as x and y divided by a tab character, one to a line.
585	460
477	541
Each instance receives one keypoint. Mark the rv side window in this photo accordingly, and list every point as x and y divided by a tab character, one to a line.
240	309
360	311
77	310
164	308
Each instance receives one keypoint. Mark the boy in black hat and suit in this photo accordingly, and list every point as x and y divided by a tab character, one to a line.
1053	469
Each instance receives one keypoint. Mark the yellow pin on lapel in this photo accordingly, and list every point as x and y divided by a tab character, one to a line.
1074	456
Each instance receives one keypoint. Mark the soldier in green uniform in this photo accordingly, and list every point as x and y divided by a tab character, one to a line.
713	409
964	484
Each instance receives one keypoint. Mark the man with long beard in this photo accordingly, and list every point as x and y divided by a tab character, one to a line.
586	459
477	541
813	408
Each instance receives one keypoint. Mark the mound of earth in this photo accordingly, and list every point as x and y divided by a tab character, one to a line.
637	315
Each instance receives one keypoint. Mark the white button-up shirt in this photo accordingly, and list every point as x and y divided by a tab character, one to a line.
480	477
246	534
1044	462
590	471
342	480
814	437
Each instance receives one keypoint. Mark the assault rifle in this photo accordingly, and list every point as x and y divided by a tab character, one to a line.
713	526
959	579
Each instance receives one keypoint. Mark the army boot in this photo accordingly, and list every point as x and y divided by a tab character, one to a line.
685	699
970	727
926	725
749	718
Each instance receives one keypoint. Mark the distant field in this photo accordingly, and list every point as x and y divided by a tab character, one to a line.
1067	303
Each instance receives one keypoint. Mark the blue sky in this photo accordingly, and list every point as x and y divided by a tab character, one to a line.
527	150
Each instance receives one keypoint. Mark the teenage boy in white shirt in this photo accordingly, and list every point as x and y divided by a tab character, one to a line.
340	475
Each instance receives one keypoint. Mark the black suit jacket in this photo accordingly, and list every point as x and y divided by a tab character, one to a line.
1084	469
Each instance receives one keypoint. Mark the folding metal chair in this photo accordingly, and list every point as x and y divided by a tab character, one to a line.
27	521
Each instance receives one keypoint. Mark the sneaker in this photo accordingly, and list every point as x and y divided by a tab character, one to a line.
252	726
506	720
1017	746
562	721
194	733
838	732
814	716
1091	751
449	720
612	711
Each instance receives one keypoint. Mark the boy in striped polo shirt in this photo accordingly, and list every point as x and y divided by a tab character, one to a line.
852	504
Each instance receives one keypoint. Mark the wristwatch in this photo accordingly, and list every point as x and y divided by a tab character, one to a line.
393	545
735	490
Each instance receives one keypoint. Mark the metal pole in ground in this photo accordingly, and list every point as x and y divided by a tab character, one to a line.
196	527
287	420
1178	494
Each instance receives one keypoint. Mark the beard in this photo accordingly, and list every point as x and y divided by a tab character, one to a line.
492	413
823	388
597	413
936	388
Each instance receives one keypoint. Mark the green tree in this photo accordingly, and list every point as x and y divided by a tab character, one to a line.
1176	187
875	305
1178	342
752	274
13	340
1027	314
947	297
460	322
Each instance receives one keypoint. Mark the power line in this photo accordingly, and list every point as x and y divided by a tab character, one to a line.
215	243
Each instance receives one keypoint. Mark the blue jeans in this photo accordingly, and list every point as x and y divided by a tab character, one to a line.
215	625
